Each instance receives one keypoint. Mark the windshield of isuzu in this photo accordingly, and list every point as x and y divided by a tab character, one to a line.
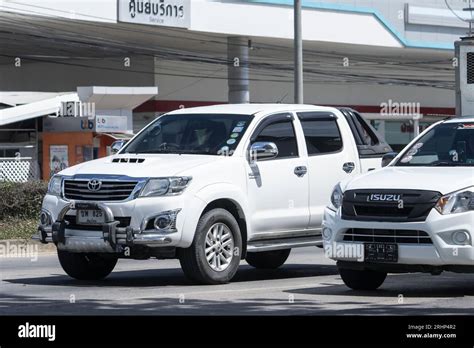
448	144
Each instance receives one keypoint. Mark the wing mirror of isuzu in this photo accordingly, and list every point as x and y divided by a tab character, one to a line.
388	157
263	150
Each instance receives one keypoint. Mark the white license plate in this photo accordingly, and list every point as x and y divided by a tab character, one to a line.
90	217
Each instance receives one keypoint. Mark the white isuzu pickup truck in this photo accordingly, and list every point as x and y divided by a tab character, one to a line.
210	186
415	215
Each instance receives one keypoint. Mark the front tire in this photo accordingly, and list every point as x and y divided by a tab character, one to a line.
268	259
86	266
362	279
214	255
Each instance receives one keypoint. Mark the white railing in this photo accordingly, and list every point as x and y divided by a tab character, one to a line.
18	169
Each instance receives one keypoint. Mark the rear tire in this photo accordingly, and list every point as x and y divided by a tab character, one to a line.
86	266
268	259
214	256
362	279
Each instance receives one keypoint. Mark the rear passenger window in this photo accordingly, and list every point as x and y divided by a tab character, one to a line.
322	136
283	135
367	135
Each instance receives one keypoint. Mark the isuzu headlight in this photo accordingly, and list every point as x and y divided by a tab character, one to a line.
456	202
165	186
54	186
336	198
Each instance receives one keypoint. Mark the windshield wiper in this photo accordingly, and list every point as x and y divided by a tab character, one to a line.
192	152
448	164
150	151
177	152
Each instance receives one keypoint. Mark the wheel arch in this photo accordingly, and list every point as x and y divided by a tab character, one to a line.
237	212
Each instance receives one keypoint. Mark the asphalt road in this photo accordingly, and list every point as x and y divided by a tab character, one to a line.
307	284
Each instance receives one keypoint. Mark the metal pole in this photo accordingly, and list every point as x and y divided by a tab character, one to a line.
416	126
36	161
457	77
238	70
298	46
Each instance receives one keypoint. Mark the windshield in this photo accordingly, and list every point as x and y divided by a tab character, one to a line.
207	134
448	144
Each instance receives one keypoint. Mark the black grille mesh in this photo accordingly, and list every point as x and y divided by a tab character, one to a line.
470	68
387	236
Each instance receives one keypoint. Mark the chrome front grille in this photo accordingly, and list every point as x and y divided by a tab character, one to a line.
109	190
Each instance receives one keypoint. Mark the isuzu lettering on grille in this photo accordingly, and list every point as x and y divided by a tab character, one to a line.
381	197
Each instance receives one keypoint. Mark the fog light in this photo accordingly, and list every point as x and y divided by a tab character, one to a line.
44	219
461	237
327	233
162	222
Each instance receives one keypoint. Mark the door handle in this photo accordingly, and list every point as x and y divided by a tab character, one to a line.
348	167
300	171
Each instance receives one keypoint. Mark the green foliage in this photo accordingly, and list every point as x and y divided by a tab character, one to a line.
21	200
18	228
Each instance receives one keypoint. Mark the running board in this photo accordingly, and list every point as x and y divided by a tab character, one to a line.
283	243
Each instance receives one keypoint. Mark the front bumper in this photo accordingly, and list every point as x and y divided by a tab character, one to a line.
108	237
442	252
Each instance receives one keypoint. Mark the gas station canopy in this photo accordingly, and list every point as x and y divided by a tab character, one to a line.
120	99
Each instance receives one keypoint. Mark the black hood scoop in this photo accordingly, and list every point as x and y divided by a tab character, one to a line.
128	160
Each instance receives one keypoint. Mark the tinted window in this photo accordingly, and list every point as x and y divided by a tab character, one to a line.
209	134
367	135
322	136
448	144
283	135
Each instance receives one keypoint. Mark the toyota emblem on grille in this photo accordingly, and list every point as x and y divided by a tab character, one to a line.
94	185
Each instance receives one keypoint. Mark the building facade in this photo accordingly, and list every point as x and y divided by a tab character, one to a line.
391	60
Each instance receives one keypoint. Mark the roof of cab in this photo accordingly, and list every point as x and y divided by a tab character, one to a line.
249	109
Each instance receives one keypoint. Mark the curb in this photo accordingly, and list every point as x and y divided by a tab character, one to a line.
28	243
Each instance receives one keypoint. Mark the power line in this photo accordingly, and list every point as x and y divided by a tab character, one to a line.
259	68
453	11
224	42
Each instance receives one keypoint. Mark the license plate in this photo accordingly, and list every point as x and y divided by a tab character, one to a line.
381	252
90	217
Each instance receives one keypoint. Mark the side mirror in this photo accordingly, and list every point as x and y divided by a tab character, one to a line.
387	158
263	150
117	145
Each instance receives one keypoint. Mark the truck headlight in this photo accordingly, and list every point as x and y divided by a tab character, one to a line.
165	186
54	186
336	198
457	202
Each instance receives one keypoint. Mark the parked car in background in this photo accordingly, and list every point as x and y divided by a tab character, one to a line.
209	186
415	215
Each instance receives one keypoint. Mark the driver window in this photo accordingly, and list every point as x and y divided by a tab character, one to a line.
282	133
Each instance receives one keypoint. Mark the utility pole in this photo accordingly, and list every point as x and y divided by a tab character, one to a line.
298	58
471	10
238	70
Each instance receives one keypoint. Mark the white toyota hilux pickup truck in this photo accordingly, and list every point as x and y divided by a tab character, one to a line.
415	215
209	186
